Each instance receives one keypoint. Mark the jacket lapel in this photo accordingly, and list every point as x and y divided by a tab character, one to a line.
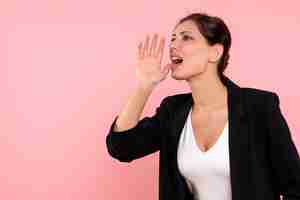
238	139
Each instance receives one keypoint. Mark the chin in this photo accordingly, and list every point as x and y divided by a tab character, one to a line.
178	76
184	73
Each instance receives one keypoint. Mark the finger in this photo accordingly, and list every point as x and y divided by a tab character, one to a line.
140	48
145	49
166	68
161	44
161	49
153	45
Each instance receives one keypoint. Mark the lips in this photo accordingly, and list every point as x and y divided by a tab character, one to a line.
175	66
176	58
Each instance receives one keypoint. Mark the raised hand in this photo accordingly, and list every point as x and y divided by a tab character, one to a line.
148	69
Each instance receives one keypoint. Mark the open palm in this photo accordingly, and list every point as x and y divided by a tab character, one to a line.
148	69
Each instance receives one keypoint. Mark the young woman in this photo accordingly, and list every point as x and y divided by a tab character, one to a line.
221	141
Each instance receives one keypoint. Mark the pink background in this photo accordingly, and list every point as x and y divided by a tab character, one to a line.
66	70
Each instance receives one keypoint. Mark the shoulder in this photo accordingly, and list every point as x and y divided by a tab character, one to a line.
260	99
255	98
256	92
176	99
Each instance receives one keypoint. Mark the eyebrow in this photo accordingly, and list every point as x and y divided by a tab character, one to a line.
182	33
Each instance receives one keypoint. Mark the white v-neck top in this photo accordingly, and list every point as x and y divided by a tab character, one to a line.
206	173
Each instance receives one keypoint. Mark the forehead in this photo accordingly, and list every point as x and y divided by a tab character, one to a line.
185	27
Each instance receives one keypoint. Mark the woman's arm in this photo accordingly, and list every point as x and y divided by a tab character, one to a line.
133	138
130	114
283	153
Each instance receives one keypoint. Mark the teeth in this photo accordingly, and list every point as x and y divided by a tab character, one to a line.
175	58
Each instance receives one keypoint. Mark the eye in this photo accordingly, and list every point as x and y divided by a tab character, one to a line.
185	37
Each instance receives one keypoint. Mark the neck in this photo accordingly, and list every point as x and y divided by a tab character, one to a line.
208	92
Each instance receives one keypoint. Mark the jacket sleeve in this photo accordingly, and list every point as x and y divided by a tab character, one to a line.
141	140
283	153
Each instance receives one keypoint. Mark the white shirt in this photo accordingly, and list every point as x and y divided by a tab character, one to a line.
206	173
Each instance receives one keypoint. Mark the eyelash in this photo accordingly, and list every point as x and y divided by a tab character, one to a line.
185	36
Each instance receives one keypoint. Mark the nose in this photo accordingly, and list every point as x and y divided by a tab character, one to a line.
173	49
174	46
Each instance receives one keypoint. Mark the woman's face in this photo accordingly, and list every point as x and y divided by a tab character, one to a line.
188	43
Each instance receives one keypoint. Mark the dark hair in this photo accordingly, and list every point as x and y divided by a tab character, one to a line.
215	31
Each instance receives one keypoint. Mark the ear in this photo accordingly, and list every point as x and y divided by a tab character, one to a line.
216	52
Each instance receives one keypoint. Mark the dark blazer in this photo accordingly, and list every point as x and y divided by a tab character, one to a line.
264	162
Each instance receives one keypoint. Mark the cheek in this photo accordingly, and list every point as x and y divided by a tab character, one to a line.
196	55
192	50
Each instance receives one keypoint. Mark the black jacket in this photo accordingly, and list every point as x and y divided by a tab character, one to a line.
264	162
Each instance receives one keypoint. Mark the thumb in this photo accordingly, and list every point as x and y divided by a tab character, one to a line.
166	68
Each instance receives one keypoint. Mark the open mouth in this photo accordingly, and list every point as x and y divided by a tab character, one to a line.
177	60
